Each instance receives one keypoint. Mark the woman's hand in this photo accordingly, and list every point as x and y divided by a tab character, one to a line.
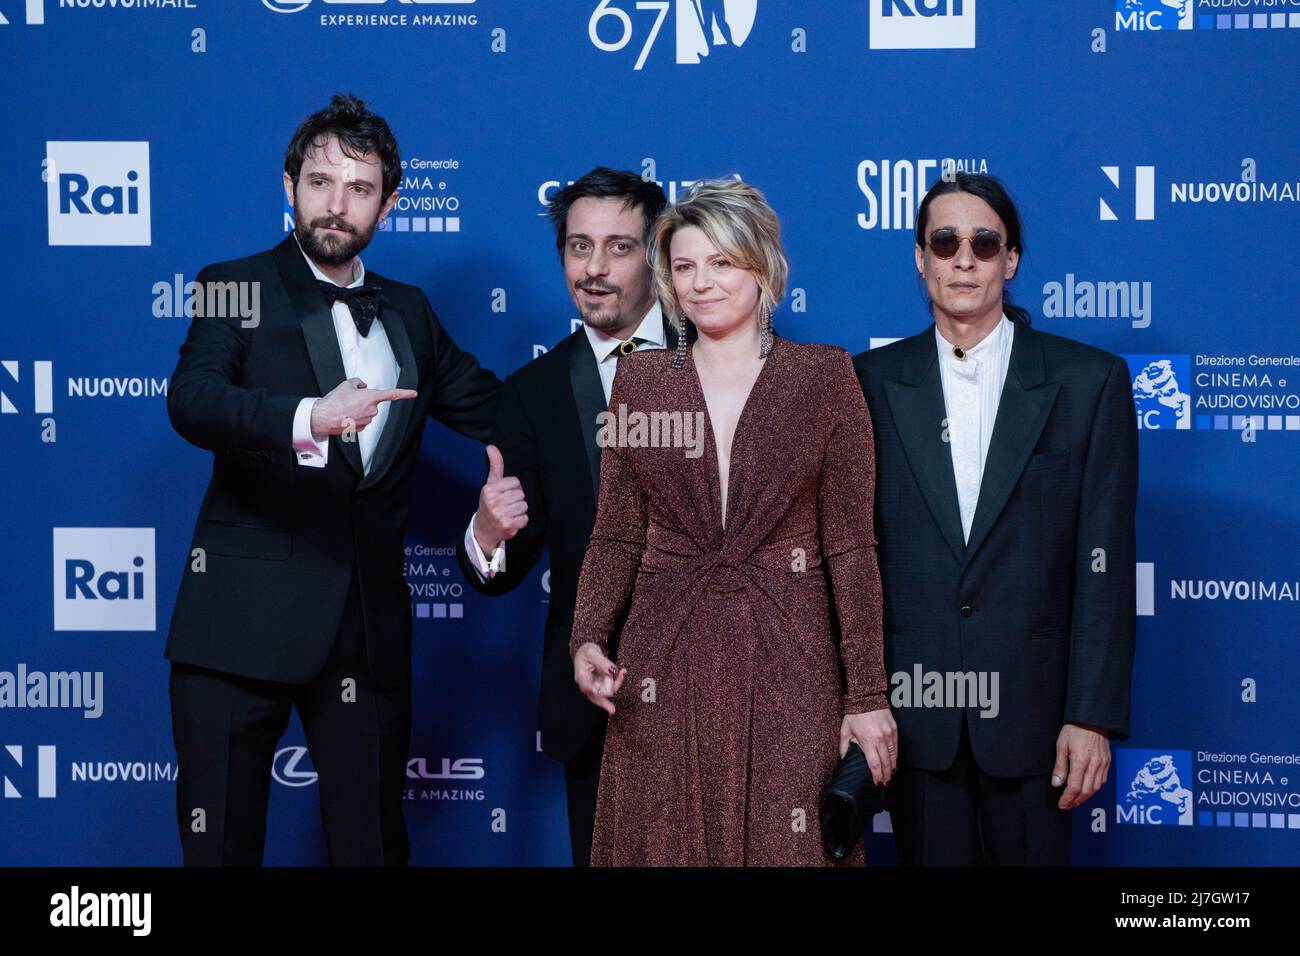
597	676
876	735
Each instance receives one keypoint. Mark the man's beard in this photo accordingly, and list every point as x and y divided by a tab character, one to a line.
334	250
602	317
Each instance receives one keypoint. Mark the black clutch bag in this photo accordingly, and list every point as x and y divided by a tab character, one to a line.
849	802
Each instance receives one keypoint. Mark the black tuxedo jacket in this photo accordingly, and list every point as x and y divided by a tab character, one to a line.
281	541
546	429
1021	598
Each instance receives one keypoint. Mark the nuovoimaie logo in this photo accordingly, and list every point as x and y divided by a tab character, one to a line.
38	766
1153	14
1160	395
1150	787
1144	193
41	391
35	13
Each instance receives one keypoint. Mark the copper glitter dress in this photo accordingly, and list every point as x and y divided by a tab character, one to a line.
727	725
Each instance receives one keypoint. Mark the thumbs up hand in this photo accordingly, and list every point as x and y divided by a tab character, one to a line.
502	509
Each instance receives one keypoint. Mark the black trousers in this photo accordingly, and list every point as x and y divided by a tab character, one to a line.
226	729
581	781
964	817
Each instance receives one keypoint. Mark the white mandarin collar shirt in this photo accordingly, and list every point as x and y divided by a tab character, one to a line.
972	389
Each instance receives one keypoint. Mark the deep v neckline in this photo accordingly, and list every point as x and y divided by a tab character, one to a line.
720	509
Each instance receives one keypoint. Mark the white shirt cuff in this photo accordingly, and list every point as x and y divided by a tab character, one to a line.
306	449
486	568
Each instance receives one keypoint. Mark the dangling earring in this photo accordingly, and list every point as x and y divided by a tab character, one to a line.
680	356
765	333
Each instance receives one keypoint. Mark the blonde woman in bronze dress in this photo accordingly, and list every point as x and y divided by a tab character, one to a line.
743	541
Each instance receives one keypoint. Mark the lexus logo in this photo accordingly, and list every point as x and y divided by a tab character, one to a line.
292	767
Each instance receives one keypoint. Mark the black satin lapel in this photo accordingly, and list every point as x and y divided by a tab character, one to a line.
589	397
399	412
1022	412
317	329
919	413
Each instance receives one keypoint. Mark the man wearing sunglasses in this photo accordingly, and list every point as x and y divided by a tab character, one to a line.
1006	483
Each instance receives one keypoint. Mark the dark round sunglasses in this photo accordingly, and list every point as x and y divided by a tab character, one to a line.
985	244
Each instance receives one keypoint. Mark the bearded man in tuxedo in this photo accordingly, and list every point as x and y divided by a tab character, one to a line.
314	413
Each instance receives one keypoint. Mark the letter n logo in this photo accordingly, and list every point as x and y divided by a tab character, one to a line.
1144	193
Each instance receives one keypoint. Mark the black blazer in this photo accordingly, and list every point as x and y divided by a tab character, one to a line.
1021	598
546	429
282	541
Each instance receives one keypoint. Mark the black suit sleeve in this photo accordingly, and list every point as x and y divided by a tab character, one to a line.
1105	602
464	393
517	440
205	405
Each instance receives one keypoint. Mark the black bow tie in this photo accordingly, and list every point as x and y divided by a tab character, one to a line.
362	302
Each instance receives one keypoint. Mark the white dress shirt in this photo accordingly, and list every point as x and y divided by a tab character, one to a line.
605	348
369	358
972	389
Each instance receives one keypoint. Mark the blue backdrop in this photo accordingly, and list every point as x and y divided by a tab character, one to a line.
1153	148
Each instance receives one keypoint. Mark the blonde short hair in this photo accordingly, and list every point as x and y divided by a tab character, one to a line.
738	221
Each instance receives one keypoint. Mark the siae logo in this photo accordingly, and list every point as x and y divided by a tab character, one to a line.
699	26
893	188
97	193
1144	194
922	24
42	774
104	579
1152	787
1153	14
1158	383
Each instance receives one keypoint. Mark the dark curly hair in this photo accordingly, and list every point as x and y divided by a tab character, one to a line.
359	132
605	183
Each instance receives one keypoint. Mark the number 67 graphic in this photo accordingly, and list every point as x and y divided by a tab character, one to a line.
606	10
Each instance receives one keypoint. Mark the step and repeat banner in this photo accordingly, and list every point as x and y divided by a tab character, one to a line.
1153	147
